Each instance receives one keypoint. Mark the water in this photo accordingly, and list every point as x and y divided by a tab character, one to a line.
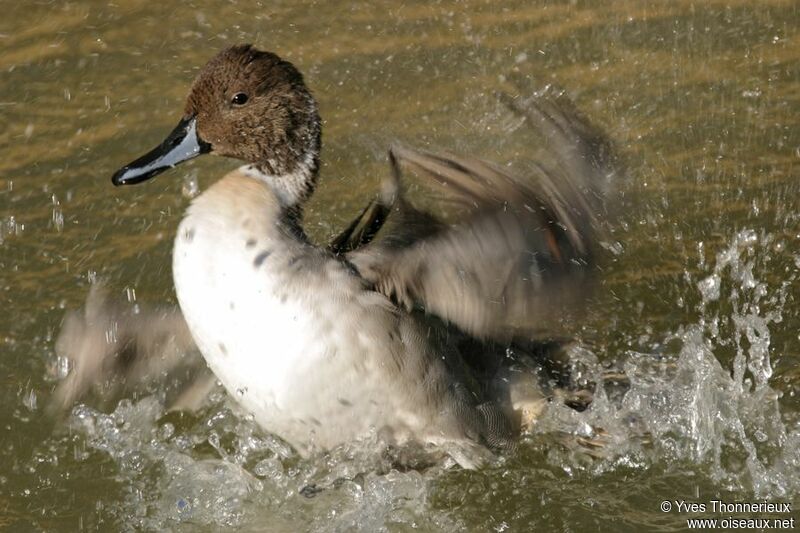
698	309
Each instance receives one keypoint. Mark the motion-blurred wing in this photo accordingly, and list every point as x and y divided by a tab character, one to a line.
520	259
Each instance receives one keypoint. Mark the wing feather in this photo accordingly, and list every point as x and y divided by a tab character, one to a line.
521	258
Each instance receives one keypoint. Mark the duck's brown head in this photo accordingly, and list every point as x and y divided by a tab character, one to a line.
246	104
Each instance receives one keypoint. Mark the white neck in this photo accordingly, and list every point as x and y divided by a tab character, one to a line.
291	189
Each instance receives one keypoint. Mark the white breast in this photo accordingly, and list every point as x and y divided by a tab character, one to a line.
236	311
281	326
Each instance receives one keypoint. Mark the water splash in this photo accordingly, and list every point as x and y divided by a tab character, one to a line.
224	471
688	407
699	400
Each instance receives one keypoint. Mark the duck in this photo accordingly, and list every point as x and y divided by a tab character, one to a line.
408	325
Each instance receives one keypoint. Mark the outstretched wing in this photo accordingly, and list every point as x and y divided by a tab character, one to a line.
114	348
521	257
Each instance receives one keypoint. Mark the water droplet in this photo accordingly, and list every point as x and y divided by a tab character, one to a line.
58	219
710	288
270	468
183	506
29	400
190	186
585	430
62	367
166	431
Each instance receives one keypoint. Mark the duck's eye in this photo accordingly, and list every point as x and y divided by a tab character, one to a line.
239	99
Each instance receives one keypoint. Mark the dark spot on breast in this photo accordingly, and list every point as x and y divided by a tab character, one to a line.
260	258
188	234
250	243
346	403
232	306
315	422
296	264
223	348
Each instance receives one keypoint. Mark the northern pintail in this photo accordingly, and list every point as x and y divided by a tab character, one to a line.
402	325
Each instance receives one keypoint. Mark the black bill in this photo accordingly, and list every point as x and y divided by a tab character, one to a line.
179	146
